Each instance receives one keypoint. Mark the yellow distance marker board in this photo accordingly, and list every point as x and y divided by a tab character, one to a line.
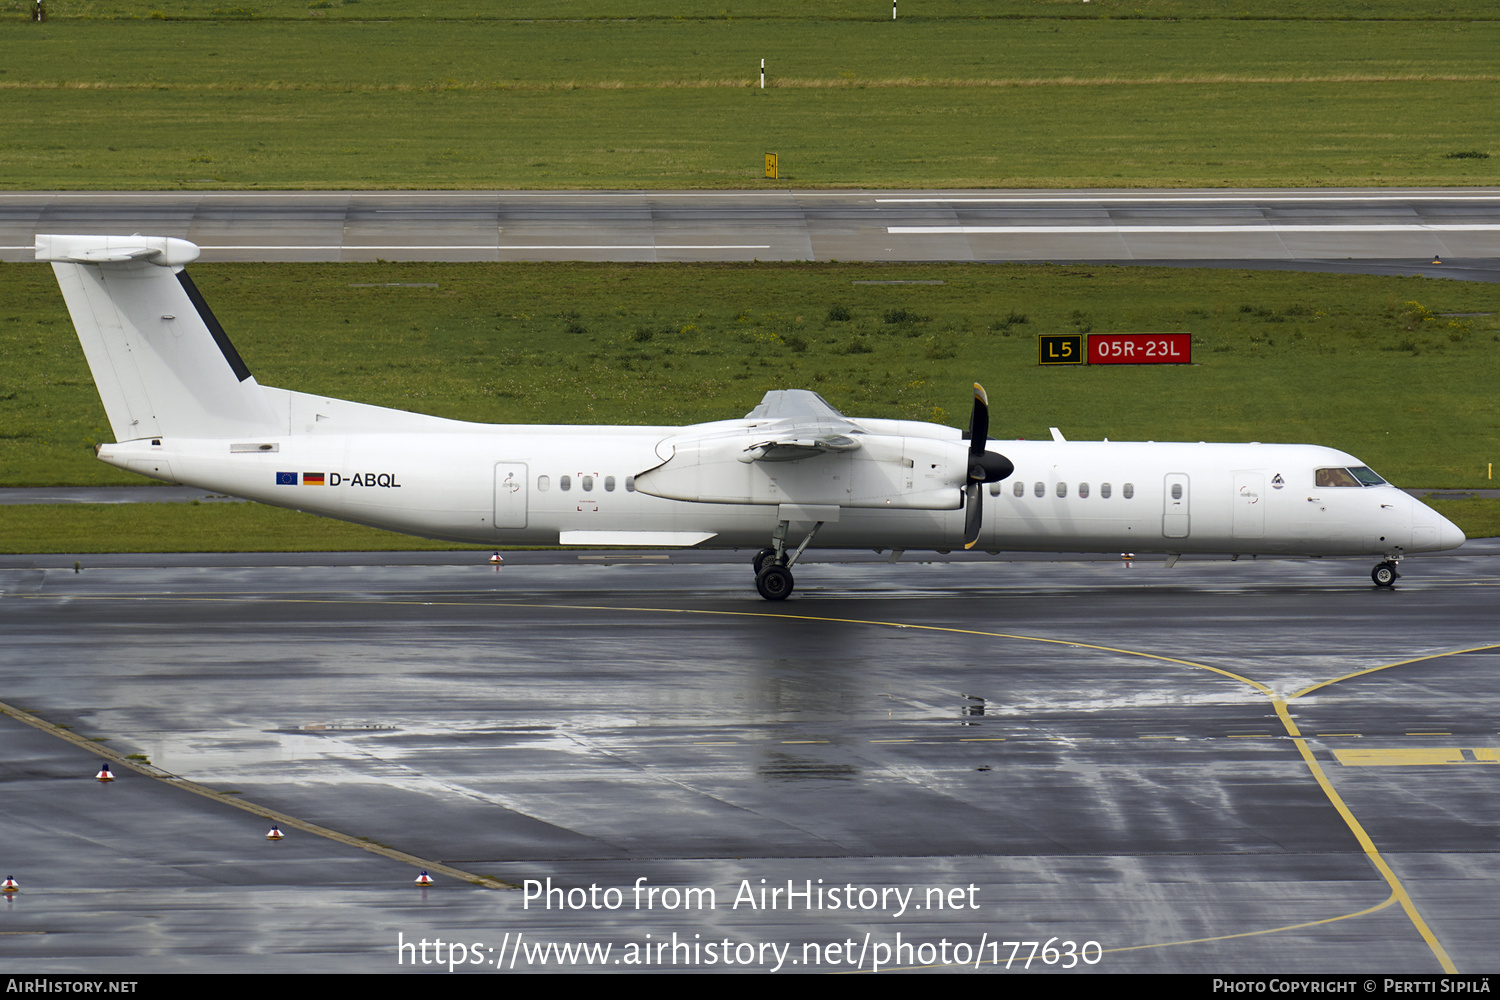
773	166
1060	349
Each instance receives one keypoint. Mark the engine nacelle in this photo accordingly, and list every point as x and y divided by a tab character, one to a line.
899	473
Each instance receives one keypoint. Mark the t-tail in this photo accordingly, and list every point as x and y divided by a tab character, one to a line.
163	365
168	375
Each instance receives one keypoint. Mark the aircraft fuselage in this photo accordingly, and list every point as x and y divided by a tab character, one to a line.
529	485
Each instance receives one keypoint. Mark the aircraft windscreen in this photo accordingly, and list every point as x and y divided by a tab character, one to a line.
1336	477
1358	476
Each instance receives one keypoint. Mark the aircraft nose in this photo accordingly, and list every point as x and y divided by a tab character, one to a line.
1434	532
1450	535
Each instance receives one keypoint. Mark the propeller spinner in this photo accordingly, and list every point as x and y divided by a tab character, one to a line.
984	466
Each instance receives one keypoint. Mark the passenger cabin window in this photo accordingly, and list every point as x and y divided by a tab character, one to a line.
587	482
544	483
565	483
994	489
1040	489
629	484
609	484
1105	490
1062	489
1128	490
1019	489
1083	491
1176	491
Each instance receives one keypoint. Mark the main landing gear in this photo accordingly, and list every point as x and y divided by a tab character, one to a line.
1384	574
773	565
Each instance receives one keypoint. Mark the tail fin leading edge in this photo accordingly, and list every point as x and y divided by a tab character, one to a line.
161	361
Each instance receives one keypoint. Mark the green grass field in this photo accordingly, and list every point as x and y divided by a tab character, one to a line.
206	527
863	10
939	101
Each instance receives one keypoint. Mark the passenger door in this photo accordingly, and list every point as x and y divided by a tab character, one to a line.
510	495
1174	519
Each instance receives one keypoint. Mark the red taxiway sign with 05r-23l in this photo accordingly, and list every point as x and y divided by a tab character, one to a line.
1140	348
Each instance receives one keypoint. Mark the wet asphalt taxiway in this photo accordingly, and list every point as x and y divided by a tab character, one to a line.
1252	766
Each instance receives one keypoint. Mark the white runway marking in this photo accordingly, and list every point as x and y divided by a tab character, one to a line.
489	246
493	246
1249	228
1191	199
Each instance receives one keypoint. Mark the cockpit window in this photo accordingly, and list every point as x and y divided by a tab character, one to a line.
1336	477
1359	475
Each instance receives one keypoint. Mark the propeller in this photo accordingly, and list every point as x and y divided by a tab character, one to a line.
984	466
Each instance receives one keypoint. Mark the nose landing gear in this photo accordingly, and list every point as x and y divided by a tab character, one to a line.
1384	574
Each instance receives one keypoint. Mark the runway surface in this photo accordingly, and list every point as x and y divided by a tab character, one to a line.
1258	766
1387	230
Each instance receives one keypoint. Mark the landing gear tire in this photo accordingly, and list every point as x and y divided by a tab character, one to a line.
1384	574
759	562
774	583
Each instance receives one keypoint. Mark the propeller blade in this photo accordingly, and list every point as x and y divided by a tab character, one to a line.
973	513
984	466
979	421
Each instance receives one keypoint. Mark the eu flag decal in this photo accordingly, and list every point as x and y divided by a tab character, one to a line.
286	479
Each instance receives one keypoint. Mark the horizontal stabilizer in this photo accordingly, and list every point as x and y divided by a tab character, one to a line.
164	251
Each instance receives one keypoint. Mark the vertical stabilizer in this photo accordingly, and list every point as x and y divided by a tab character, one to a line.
163	365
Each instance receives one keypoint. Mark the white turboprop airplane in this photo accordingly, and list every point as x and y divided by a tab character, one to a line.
185	409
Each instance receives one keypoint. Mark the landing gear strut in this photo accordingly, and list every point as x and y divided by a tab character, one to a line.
773	566
1384	574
